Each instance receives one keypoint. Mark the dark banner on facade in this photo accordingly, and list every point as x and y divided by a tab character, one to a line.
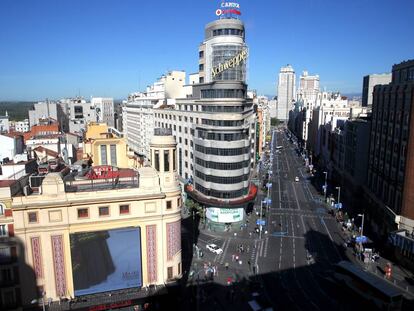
106	260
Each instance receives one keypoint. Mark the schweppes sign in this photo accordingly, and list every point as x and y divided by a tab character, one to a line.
231	63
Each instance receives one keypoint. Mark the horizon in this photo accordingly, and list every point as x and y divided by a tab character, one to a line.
107	49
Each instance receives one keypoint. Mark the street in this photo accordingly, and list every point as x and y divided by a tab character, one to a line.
286	266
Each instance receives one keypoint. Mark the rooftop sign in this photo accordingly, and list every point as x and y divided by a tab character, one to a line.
228	9
231	63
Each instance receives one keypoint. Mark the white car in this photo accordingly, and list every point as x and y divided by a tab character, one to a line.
296	178
214	248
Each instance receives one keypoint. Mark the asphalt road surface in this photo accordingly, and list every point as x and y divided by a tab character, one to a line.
298	247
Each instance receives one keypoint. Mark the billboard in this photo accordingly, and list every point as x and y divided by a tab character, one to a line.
106	260
224	215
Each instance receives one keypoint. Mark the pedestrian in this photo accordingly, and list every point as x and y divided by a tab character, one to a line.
232	257
226	265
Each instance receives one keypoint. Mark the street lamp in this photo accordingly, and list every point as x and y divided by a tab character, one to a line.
326	184
339	194
362	225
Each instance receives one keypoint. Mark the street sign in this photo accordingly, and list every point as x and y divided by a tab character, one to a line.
269	185
261	222
361	239
338	205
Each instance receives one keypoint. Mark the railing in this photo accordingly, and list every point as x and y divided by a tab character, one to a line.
85	185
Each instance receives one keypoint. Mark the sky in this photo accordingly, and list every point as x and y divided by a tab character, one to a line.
54	49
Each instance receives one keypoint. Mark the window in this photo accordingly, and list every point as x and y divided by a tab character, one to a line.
185	130
180	140
201	67
186	142
104	211
2	208
174	159
3	230
179	129
169	205
185	119
32	216
178	202
104	160
186	164
179	268
123	209
113	155
166	160
169	273
83	213
157	160
186	152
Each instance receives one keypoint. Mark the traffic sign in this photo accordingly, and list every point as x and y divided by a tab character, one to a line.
261	222
361	239
269	185
338	205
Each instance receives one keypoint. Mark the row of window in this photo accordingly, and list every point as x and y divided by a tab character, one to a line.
221	194
228	32
222	136
222	122
217	108
223	93
222	166
222	152
84	213
222	180
166	160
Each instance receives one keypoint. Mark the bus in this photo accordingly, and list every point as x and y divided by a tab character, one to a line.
371	288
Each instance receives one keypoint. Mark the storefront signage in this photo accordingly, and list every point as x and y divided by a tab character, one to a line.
231	63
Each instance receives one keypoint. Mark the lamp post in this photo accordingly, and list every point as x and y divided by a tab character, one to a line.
339	194
326	184
362	225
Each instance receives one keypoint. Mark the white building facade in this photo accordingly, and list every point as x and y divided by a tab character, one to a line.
286	90
104	110
138	111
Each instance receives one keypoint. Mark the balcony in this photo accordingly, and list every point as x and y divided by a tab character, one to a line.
209	201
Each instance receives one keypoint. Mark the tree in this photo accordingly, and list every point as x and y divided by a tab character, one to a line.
195	209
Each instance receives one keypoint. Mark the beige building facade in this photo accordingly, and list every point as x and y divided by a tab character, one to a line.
70	211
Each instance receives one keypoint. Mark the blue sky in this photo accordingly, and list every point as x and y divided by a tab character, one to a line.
54	49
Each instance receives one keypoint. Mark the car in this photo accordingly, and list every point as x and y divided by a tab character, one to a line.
296	178
214	248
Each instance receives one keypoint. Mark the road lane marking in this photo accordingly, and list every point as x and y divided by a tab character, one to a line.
296	196
266	246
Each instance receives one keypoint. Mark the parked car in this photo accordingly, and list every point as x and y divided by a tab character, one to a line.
296	178
214	248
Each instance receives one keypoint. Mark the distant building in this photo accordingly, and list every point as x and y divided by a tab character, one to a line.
104	110
369	82
4	123
22	126
286	89
138	111
56	110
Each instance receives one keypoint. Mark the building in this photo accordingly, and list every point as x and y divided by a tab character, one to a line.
10	146
104	110
215	128
22	126
273	108
104	233
308	89
369	82
286	89
10	290
106	148
4	123
56	110
80	112
138	111
391	158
